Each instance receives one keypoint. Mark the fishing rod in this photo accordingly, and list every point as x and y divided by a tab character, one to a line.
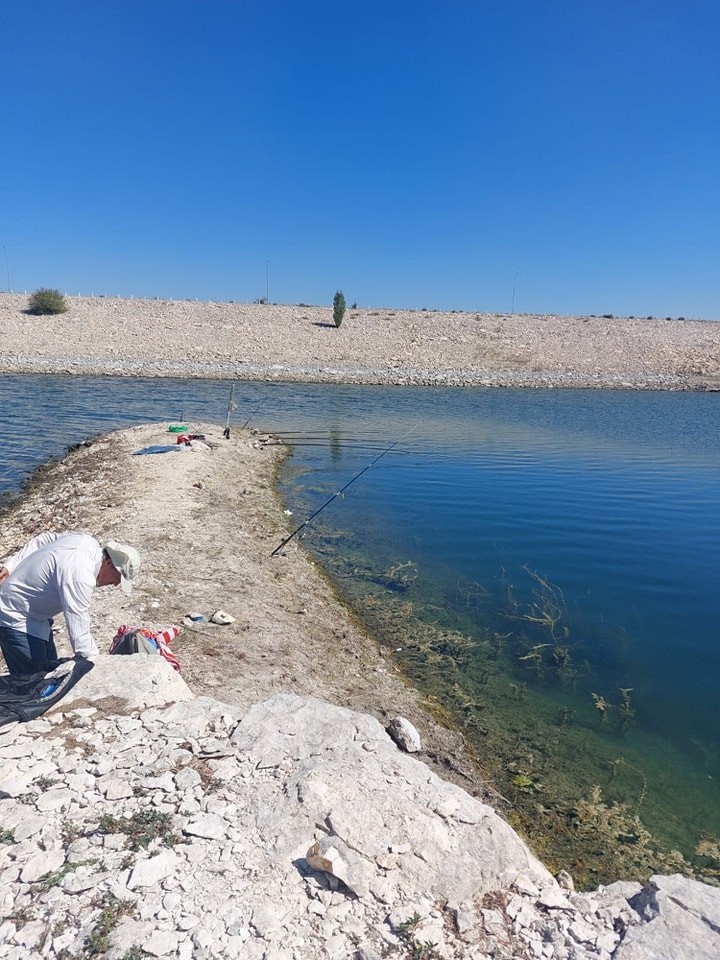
231	406
342	490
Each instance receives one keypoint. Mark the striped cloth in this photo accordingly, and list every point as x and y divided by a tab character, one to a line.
161	640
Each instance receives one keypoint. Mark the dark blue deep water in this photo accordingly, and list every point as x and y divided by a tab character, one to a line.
567	543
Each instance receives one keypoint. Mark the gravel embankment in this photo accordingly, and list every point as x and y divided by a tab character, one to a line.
101	335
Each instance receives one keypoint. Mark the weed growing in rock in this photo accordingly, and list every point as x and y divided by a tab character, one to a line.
134	953
141	829
70	832
55	878
415	949
44	783
113	910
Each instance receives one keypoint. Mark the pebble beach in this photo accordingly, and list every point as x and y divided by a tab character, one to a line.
300	343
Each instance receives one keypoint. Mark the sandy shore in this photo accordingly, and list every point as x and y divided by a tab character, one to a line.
101	335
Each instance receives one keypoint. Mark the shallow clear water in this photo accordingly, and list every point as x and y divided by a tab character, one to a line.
583	527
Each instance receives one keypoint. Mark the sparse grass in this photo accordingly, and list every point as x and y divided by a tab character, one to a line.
44	783
415	949
141	829
6	836
113	910
405	928
55	878
70	832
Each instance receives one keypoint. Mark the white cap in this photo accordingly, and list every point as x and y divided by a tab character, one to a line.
126	561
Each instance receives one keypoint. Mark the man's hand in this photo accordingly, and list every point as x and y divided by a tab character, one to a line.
4	573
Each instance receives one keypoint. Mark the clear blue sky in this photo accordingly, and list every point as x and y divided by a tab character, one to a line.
413	153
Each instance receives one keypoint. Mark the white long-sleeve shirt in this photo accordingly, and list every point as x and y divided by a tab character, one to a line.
53	573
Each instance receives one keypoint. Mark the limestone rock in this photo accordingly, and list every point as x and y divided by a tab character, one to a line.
124	684
148	873
333	857
681	922
405	735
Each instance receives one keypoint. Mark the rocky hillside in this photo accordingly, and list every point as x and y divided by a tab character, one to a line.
109	335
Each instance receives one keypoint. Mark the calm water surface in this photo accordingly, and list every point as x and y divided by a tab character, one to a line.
545	563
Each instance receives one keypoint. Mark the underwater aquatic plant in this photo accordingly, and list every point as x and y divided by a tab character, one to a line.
545	611
522	782
602	707
565	716
534	658
496	642
410	574
620	763
625	709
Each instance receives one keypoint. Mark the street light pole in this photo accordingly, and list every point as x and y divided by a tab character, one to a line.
513	296
7	265
267	281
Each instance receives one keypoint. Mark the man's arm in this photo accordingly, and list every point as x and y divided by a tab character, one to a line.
76	582
76	608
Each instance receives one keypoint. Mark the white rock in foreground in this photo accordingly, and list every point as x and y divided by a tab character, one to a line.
206	857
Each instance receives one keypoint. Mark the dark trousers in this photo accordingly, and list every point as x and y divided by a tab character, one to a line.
25	654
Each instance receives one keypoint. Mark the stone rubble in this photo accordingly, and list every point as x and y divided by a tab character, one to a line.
139	821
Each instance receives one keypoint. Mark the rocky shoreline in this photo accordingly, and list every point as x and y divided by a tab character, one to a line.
145	817
162	338
142	822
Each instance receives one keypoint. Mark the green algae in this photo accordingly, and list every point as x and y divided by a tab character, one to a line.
588	788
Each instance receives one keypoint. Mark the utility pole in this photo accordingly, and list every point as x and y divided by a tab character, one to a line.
512	311
267	281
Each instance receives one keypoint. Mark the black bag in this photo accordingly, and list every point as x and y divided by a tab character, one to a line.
26	697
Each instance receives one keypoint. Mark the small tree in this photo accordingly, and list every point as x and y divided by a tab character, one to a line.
338	308
45	301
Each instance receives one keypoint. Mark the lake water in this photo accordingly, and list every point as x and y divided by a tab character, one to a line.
543	564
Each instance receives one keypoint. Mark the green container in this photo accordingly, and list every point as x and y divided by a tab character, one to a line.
177	428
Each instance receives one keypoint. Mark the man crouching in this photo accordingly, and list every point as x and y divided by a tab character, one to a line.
56	573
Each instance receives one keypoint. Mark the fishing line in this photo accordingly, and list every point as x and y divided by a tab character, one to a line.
250	417
342	490
360	448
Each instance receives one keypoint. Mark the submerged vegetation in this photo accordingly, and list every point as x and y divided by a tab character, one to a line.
582	782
